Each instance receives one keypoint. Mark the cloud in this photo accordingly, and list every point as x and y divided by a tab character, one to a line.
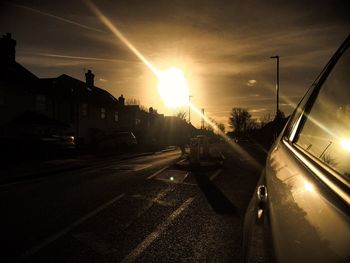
258	110
59	18
224	45
251	82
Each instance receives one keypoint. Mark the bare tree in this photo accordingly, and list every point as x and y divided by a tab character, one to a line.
132	101
182	115
265	119
221	126
240	119
253	124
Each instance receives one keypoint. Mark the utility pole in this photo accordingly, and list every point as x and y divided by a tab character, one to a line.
189	108
202	120
277	83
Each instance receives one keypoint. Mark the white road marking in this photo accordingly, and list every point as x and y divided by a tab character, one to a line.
156	233
173	176
131	167
67	229
217	172
149	204
151	201
158	172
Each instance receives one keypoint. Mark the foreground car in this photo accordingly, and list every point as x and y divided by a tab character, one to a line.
301	209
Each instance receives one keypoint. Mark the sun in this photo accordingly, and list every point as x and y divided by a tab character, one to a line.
173	87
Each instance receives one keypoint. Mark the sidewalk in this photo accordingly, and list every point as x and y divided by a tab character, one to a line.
34	169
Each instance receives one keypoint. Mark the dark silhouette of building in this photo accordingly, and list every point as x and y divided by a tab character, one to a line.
19	88
83	109
90	111
30	106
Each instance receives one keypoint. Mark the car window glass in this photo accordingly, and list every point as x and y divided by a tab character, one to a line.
326	132
289	134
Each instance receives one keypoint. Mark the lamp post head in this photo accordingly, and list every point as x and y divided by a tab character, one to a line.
275	57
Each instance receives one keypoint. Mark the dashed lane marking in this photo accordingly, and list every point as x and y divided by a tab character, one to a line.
149	204
222	156
216	173
158	172
156	233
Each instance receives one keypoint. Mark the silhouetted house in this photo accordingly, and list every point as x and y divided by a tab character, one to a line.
20	89
90	111
65	105
79	108
130	117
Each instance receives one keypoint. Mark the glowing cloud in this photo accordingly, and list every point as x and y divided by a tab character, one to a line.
251	82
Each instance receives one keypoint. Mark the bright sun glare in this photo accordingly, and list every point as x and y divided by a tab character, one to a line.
345	144
173	87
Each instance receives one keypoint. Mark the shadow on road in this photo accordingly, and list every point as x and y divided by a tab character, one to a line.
219	202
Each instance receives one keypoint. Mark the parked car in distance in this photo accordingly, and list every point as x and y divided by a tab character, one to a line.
119	140
301	209
58	141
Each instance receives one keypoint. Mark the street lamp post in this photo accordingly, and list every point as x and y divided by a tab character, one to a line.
277	83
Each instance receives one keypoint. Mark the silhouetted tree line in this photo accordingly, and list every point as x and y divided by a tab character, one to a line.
263	132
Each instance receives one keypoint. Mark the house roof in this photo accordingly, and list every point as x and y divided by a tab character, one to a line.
15	72
66	86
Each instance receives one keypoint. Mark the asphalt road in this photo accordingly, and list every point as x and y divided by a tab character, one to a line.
139	210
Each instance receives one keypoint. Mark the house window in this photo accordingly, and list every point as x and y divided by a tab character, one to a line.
84	110
40	103
103	113
116	116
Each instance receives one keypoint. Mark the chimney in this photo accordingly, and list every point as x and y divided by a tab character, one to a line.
121	100
7	49
89	77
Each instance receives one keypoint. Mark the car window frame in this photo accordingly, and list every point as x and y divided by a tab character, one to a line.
332	178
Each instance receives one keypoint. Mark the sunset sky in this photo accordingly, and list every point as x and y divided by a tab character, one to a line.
223	47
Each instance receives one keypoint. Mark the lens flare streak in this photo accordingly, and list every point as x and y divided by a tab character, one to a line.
58	18
243	153
122	38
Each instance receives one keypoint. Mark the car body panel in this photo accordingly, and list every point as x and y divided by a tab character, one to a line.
305	223
306	217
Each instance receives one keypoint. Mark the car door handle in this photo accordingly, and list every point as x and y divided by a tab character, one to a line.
261	201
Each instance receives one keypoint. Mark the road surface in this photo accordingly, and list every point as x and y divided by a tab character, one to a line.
139	210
